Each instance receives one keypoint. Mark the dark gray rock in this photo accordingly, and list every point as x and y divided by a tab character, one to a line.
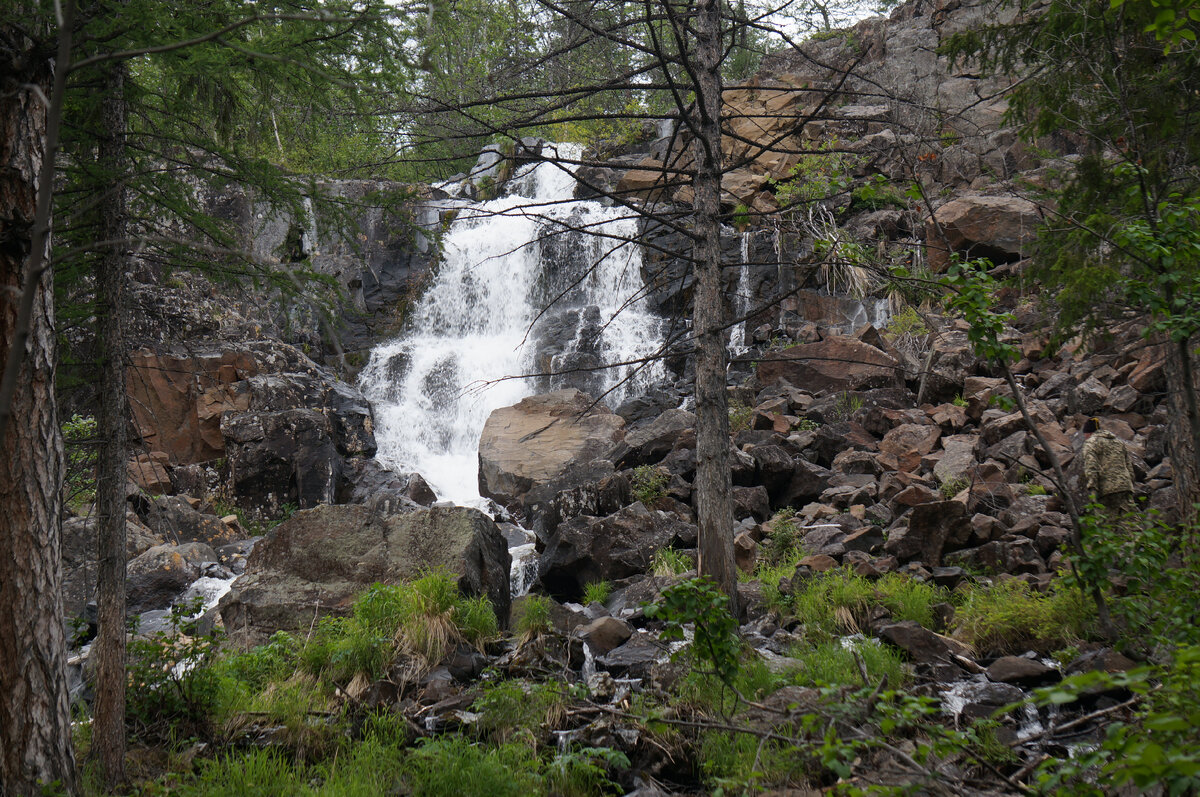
317	561
1021	671
586	549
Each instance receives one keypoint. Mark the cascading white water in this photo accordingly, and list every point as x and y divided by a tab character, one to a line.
503	263
741	299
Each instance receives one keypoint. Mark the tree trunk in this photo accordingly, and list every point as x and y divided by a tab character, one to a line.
108	728
714	506
35	727
1183	426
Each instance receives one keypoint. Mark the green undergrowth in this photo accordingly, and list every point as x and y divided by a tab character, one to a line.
417	622
994	618
837	663
841	602
1009	617
382	763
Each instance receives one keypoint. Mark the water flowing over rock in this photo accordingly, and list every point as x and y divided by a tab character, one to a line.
484	321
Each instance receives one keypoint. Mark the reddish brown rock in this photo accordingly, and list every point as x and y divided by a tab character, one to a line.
837	363
149	472
997	227
177	401
908	443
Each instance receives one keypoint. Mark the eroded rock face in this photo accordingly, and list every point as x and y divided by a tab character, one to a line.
539	438
317	561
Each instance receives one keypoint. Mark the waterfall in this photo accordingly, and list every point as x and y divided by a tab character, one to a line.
533	282
741	299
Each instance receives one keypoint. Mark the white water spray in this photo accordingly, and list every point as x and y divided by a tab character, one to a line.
477	327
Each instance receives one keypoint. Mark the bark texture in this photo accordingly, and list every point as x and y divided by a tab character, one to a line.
1183	426
714	505
108	728
35	729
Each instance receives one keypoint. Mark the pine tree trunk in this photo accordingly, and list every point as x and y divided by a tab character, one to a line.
1183	426
714	505
108	728
35	727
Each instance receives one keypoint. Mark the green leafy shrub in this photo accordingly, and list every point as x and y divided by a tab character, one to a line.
817	176
1157	751
649	483
174	692
1008	617
1159	567
877	194
597	592
699	603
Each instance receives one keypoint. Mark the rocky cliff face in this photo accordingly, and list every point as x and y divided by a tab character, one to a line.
888	441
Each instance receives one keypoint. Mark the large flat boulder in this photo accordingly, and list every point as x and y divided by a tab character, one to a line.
536	440
834	364
1000	228
315	563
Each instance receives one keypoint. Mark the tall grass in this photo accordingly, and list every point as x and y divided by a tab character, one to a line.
1008	617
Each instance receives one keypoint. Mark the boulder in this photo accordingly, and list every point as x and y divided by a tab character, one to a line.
958	458
1000	228
173	519
837	363
177	402
604	634
636	657
921	644
909	442
930	526
586	549
367	481
591	488
317	561
1021	671
650	443
540	437
149	472
285	457
157	577
79	557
